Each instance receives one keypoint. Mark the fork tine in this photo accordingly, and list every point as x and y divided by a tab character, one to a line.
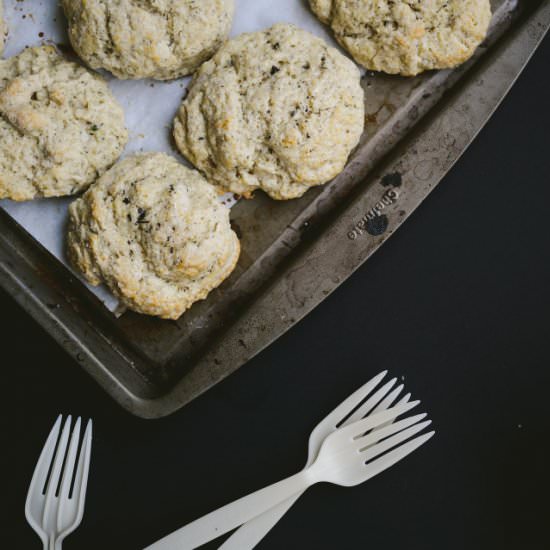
394	441
356	397
81	479
51	504
70	463
370	403
53	482
404	399
389	459
44	461
387	402
398	428
359	428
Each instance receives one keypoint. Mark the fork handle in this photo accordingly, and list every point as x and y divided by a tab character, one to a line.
233	515
249	535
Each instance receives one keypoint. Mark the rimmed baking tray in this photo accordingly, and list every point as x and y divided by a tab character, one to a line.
294	253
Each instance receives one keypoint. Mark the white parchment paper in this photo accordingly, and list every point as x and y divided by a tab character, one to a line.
150	106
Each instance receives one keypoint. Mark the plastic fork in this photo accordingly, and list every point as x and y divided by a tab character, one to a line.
361	403
348	456
52	509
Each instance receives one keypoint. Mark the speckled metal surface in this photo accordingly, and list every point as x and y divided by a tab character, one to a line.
294	253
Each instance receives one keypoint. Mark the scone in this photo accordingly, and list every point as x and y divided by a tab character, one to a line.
407	37
60	126
161	39
277	110
154	232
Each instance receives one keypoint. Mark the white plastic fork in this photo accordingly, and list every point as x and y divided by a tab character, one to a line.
357	406
348	456
54	514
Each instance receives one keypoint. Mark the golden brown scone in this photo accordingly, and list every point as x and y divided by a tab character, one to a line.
407	36
160	39
60	126
277	110
154	232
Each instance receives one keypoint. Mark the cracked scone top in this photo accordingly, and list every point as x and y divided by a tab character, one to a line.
60	126
155	233
407	37
161	39
277	110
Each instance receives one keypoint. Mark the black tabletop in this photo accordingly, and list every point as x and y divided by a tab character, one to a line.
456	304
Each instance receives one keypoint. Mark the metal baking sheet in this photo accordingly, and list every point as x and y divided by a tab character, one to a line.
294	253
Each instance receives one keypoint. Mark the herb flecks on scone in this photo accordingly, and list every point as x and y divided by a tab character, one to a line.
162	39
277	110
155	233
60	126
407	37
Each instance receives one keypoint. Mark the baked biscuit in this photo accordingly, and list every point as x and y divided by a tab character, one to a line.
277	110
154	232
60	126
407	36
161	39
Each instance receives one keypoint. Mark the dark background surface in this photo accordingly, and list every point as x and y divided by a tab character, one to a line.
457	303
